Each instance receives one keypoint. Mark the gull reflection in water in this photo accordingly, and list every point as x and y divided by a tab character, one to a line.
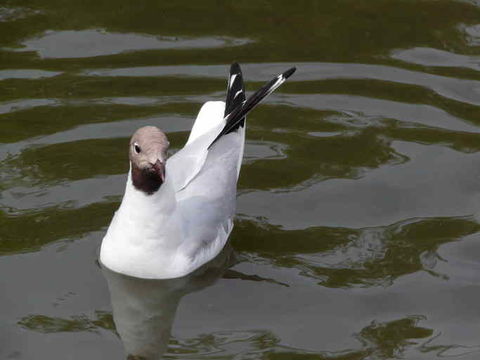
144	310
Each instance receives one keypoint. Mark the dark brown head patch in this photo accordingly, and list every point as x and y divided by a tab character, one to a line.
146	180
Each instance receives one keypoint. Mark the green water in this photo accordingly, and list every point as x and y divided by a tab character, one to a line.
356	235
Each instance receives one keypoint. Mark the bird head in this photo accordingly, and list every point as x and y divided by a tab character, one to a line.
148	156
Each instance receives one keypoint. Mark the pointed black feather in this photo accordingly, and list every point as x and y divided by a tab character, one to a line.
237	115
235	93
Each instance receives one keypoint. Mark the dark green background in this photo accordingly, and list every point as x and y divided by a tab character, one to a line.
356	235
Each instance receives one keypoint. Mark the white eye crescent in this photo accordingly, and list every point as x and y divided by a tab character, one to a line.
136	148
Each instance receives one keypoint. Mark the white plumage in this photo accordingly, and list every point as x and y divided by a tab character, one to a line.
186	222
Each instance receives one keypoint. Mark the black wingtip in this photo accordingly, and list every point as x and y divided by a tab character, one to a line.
289	72
235	89
235	111
235	67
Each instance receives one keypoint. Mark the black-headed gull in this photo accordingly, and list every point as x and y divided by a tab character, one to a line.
176	215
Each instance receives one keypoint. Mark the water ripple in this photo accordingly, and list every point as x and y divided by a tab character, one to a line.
26	74
467	91
96	42
435	57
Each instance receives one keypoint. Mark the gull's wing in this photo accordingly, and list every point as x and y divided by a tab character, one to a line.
209	118
184	165
187	163
215	121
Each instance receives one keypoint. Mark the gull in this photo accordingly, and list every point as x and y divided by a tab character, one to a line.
177	213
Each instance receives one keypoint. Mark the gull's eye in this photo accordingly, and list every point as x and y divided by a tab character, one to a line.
137	148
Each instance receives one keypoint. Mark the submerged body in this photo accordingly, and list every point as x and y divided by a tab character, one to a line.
176	215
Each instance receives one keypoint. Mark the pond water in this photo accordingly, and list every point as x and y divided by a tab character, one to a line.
356	235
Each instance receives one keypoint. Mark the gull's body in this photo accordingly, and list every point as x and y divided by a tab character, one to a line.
169	230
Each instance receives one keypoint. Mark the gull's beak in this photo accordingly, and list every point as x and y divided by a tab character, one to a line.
159	168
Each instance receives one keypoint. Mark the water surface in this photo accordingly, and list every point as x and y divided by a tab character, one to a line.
357	233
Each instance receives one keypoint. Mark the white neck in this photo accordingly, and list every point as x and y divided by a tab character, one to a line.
151	216
160	203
